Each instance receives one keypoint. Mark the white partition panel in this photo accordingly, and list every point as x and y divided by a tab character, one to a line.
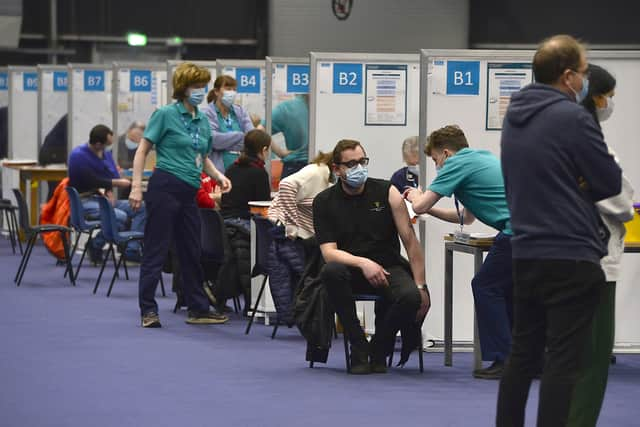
250	75
471	88
4	87
137	93
171	66
90	100
372	98
289	77
23	112
52	98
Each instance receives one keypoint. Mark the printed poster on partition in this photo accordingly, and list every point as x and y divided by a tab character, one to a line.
503	80
386	95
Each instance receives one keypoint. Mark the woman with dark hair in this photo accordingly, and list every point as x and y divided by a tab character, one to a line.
590	388
249	179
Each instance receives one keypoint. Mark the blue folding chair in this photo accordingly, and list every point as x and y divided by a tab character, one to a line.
263	243
117	240
32	233
79	224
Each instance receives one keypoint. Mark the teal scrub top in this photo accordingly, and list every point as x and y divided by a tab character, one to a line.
182	141
474	177
292	119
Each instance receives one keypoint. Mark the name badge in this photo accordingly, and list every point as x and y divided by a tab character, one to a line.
198	160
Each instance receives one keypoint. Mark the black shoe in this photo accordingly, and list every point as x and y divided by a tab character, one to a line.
493	372
360	359
378	357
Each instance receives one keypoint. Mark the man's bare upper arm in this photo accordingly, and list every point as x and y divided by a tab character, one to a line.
400	214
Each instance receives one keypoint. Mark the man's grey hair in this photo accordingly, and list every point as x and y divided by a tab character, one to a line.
410	146
136	125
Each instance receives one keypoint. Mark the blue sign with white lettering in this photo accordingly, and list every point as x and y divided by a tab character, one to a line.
140	81
30	82
4	81
94	80
297	79
463	77
60	83
347	78
248	80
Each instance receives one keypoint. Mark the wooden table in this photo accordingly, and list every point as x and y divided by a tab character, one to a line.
477	249
35	174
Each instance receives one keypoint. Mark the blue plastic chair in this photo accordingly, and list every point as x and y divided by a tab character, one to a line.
79	224
32	233
116	240
263	243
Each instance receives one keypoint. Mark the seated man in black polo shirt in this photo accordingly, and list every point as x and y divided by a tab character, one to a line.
357	224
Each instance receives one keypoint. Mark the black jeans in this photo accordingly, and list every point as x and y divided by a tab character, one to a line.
172	215
401	300
554	304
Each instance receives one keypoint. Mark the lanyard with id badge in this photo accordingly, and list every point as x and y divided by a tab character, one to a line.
195	139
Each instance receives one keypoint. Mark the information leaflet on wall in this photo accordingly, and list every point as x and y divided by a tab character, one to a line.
503	80
386	95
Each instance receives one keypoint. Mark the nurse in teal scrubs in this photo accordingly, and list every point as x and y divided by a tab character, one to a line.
229	122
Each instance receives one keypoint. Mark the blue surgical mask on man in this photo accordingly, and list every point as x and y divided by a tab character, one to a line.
130	144
228	97
196	96
582	95
356	176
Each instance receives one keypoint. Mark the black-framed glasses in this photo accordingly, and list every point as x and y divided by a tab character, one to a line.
351	163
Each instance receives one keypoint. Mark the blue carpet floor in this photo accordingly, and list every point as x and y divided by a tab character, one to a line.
70	358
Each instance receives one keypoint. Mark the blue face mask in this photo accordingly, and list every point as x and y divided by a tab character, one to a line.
356	176
582	95
130	144
228	97
196	96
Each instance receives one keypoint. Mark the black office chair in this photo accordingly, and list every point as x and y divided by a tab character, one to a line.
213	241
11	223
32	234
263	243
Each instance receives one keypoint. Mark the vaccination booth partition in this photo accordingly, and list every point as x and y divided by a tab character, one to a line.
472	88
23	104
372	98
4	87
289	77
90	100
138	91
53	98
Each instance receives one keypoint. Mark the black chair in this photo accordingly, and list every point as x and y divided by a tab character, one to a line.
32	234
347	354
263	243
11	223
117	240
213	241
79	224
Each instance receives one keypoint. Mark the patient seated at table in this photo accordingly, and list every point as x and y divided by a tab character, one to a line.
92	171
